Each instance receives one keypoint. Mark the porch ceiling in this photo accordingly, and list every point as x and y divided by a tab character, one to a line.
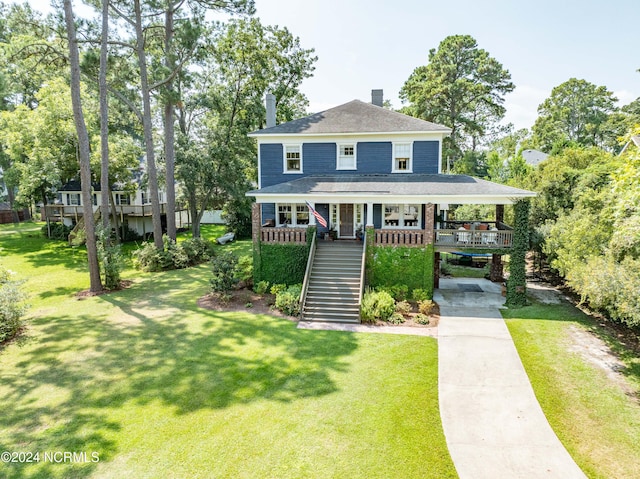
452	189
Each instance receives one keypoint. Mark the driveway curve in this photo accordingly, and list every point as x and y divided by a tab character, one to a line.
492	421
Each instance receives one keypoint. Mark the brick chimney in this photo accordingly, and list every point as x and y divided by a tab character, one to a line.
270	103
377	97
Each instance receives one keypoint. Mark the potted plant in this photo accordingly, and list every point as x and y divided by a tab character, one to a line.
359	233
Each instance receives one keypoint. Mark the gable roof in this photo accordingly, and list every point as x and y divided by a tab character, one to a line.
454	189
354	117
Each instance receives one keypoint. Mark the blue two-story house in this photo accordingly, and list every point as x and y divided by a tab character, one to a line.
362	169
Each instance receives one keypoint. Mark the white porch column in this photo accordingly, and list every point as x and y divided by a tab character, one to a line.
369	215
312	218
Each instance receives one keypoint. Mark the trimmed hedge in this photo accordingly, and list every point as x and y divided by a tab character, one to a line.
280	263
517	282
391	265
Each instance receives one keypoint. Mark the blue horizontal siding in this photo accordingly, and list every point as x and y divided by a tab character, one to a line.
373	157
426	157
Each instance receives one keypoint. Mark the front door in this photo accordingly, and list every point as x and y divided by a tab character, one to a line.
346	221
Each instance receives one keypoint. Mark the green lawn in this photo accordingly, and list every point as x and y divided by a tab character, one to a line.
159	387
597	420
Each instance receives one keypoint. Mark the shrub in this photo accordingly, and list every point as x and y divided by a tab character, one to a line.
445	269
59	231
376	305
237	214
419	294
426	306
244	270
150	258
399	292
278	288
174	256
224	268
404	308
396	318
128	234
288	300
197	250
110	256
421	318
261	287
12	305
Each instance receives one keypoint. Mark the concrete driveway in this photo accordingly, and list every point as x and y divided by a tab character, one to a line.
493	424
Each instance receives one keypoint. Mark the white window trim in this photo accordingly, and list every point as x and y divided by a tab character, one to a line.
294	215
355	156
393	157
74	196
285	170
401	224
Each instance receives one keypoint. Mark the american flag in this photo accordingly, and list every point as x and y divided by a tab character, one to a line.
318	216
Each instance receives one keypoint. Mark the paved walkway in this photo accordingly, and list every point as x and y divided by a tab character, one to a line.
492	422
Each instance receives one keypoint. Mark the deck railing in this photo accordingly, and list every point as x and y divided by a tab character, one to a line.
461	238
400	237
283	235
76	211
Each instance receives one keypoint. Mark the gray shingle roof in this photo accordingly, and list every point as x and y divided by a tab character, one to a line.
354	117
393	184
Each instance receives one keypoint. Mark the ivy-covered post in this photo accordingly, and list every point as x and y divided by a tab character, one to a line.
255	236
517	282
370	238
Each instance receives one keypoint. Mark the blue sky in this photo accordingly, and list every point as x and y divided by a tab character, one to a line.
363	44
367	44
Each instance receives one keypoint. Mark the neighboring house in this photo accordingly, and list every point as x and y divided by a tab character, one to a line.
633	142
362	168
133	208
534	157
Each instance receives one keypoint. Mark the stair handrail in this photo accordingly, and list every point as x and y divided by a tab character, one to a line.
307	273
362	268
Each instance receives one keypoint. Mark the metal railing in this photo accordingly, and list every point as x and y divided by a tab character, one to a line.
463	238
307	274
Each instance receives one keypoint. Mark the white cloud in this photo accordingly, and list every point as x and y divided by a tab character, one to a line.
624	97
522	105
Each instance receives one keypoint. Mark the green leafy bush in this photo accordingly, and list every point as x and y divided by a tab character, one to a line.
278	288
421	318
396	318
174	256
110	256
426	306
244	270
12	306
288	300
261	287
399	292
59	231
376	305
403	308
224	272
419	294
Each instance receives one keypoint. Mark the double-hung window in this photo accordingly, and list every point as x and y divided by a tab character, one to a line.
402	158
73	199
122	199
292	214
402	216
293	159
346	157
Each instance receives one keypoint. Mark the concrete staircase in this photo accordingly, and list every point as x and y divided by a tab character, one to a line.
334	285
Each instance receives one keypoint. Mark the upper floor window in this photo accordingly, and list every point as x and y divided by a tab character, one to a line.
402	216
122	199
144	197
402	158
73	199
346	157
293	159
95	199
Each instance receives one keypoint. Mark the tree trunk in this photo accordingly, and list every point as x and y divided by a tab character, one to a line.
83	143
193	210
104	121
169	132
148	129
